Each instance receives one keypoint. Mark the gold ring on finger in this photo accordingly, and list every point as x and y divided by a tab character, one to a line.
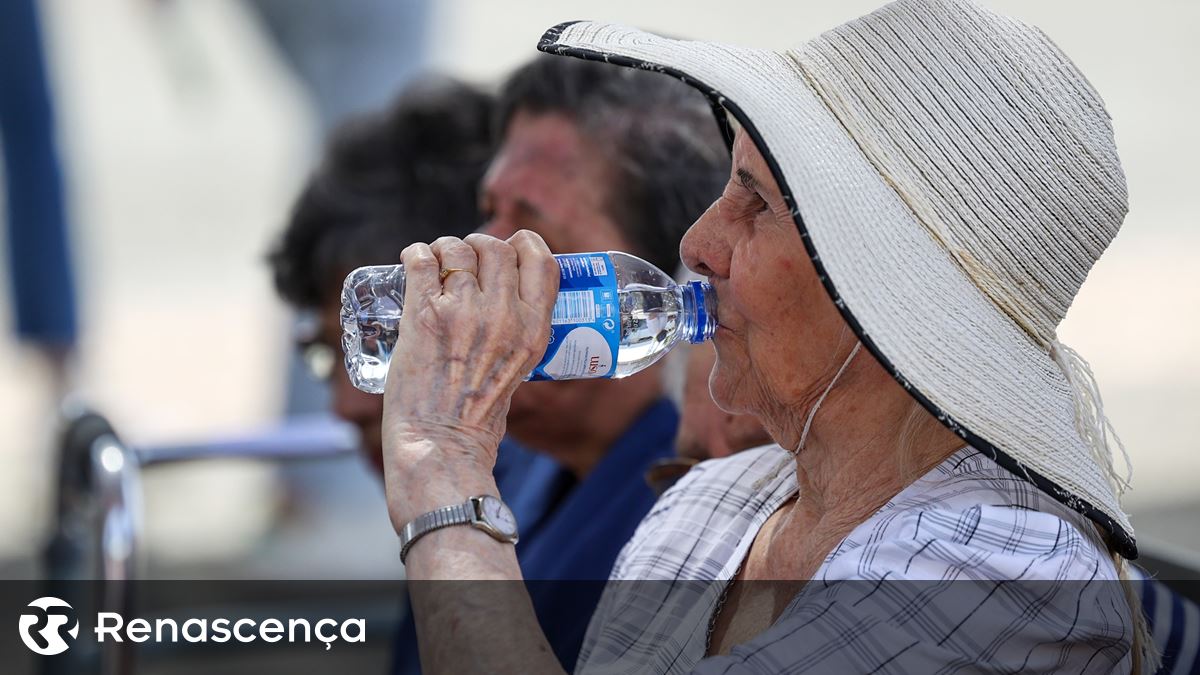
451	270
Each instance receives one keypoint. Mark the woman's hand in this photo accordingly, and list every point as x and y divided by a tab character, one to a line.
466	342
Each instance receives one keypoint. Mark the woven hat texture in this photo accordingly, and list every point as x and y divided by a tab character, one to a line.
954	178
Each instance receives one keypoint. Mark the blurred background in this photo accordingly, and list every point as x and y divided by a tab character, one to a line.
185	129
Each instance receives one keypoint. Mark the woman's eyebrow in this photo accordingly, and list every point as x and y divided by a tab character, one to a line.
747	179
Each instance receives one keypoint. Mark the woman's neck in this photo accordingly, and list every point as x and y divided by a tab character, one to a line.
868	441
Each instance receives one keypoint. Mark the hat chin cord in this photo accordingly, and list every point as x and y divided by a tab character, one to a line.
1091	422
812	412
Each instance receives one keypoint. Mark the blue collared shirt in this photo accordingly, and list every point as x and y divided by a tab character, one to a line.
568	559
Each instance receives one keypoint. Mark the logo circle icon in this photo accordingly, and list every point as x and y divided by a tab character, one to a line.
46	624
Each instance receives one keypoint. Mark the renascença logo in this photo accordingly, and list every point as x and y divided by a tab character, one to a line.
46	627
49	621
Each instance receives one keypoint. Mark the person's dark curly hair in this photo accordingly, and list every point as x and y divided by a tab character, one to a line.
405	174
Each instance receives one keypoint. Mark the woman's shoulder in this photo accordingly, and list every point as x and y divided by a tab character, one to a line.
969	564
745	471
695	528
744	480
971	519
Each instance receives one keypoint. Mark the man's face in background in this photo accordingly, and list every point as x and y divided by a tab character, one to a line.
546	177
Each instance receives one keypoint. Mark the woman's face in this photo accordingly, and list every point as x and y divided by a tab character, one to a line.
780	338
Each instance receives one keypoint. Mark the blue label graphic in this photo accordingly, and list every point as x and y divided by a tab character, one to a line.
585	327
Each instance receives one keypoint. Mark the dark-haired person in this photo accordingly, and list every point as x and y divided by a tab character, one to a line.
406	173
409	172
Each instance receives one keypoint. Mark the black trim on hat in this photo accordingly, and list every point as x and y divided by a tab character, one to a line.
1121	540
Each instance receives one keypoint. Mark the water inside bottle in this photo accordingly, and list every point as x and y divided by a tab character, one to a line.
370	325
650	318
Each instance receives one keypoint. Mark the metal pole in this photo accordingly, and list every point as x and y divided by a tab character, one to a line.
99	509
118	491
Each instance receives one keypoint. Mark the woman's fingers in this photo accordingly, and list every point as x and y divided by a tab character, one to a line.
459	266
466	340
538	271
421	268
497	265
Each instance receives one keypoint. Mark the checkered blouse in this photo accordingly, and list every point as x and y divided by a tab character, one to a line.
968	569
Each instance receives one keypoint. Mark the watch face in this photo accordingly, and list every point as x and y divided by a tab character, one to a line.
498	516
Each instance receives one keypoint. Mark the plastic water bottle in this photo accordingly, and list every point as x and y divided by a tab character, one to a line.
616	314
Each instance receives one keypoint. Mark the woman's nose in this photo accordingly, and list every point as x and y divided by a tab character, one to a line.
702	249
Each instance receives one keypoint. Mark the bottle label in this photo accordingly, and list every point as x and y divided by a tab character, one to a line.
585	329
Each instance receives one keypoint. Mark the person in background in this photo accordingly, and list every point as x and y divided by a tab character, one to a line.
575	136
405	173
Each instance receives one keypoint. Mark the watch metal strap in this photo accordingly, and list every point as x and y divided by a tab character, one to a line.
435	520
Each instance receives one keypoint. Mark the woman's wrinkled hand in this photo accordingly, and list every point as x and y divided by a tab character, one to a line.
465	343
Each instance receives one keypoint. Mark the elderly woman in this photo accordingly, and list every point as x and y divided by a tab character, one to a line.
916	197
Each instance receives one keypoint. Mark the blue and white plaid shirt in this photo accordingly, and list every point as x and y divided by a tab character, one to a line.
968	569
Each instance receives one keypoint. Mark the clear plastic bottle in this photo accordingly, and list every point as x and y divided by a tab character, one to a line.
616	314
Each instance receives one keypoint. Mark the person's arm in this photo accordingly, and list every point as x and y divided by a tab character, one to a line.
465	344
484	625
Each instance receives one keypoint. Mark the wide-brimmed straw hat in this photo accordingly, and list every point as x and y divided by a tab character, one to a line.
954	177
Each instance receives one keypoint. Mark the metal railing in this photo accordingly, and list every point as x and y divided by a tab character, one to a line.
97	532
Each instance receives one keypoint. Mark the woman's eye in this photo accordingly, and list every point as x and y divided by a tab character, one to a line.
753	200
745	200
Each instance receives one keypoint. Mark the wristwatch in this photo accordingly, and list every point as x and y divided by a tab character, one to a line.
484	512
